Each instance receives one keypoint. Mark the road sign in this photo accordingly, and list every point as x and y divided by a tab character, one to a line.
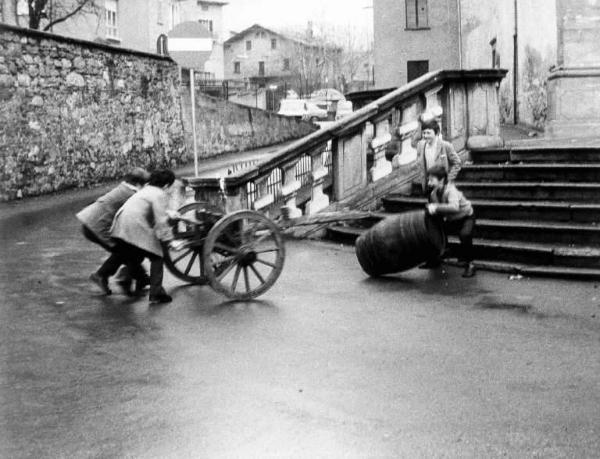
190	45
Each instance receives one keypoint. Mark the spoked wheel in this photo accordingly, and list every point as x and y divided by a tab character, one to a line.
243	255
186	264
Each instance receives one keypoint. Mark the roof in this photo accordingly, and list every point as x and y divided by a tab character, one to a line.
214	2
258	27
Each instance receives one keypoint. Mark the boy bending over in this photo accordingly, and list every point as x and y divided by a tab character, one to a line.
449	204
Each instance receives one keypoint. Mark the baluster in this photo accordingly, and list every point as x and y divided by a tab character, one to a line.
263	197
289	191
319	200
381	166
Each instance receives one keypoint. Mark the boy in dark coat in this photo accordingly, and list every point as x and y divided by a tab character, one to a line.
97	219
456	211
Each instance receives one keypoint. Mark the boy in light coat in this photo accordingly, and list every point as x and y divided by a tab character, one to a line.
139	228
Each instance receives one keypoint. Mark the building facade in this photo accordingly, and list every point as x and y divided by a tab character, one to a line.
267	58
416	36
413	37
259	53
140	25
210	14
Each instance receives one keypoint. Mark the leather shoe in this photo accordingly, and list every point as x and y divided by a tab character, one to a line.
101	282
160	298
140	286
469	270
431	264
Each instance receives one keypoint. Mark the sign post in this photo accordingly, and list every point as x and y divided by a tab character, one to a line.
195	141
190	45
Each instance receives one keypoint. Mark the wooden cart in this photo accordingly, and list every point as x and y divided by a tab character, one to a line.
240	254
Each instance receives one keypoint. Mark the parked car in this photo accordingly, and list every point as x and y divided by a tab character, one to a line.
344	108
299	108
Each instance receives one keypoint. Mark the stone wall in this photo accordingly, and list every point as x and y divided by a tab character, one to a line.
76	113
224	127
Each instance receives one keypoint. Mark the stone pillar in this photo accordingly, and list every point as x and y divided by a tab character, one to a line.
289	191
574	84
381	166
318	200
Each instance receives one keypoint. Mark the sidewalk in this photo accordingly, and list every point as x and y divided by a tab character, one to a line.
33	209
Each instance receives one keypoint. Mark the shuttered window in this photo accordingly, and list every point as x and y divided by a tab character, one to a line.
416	14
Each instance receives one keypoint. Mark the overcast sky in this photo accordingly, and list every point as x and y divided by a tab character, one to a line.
285	14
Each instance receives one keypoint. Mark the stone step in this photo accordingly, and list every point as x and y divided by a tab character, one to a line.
564	154
509	210
531	191
554	172
515	252
546	232
526	270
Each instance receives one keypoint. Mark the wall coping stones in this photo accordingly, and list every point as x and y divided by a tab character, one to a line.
39	35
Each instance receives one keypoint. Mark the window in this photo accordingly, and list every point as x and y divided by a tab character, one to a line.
415	69
261	68
248	45
207	23
273	43
416	14
237	68
286	64
161	45
110	8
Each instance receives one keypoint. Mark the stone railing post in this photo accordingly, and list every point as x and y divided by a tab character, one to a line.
381	166
214	193
319	200
483	115
263	197
289	190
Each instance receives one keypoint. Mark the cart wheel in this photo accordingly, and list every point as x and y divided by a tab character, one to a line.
186	264
243	255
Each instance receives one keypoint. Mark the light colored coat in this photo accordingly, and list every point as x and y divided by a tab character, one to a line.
142	221
98	217
444	155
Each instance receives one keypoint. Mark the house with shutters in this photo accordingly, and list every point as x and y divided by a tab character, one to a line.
263	56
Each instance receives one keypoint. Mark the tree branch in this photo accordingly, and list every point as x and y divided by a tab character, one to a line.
77	10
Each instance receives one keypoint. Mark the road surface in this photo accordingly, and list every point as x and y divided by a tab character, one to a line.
329	363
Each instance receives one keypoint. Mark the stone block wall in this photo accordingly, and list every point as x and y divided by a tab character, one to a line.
225	127
76	113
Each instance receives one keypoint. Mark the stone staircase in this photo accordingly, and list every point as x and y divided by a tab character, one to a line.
537	208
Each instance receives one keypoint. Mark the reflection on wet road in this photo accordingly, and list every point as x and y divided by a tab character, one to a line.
328	363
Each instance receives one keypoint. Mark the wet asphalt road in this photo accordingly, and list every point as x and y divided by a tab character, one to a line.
327	364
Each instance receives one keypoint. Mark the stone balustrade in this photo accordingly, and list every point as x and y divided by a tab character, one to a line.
343	159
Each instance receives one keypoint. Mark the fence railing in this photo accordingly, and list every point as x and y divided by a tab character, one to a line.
343	159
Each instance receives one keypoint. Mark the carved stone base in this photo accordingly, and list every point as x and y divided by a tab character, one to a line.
319	202
573	103
380	170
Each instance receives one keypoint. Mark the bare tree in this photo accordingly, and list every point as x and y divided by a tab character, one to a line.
329	56
315	60
44	14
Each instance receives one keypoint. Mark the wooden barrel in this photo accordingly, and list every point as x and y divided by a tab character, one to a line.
399	243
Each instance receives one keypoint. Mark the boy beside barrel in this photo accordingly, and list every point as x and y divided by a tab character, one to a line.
456	212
